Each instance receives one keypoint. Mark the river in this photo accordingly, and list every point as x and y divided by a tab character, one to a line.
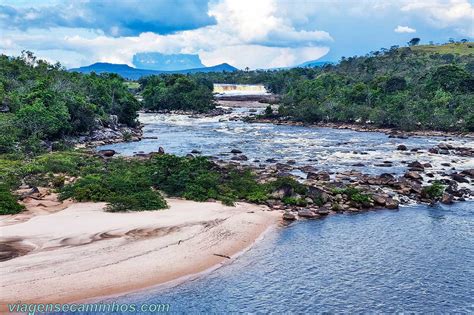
416	259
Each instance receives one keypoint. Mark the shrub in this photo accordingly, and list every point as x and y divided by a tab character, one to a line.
434	191
8	203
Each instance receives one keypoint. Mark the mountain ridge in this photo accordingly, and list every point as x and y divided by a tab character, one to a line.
131	73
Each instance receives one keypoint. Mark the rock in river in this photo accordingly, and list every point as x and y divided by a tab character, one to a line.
288	216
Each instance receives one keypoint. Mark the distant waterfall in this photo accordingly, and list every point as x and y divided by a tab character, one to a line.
240	89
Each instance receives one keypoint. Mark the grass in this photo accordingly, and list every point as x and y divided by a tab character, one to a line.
452	48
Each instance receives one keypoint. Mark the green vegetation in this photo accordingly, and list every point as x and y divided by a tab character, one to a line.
177	92
8	203
354	195
451	48
434	191
138	184
421	87
43	102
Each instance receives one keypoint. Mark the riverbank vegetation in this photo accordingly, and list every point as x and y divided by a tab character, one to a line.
133	183
41	102
426	87
177	92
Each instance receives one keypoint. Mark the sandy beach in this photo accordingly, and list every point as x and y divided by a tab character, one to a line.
82	252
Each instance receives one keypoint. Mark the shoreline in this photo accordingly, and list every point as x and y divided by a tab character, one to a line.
99	257
366	128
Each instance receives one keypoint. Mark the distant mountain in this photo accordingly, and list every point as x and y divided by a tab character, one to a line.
166	62
135	74
314	63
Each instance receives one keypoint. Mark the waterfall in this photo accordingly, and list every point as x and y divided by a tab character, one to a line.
240	89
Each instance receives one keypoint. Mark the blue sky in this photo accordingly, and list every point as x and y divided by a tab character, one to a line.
253	33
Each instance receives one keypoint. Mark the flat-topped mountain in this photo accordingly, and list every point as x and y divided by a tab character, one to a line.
134	73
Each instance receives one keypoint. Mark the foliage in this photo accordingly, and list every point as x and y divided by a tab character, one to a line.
434	191
421	87
8	203
177	92
44	102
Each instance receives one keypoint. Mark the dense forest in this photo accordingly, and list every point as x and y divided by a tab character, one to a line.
177	92
408	88
44	102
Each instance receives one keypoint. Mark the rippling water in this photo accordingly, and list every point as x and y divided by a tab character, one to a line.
417	259
324	148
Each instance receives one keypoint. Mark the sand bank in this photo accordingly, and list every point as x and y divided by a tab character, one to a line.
82	252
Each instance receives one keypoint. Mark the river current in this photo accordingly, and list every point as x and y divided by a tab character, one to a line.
416	259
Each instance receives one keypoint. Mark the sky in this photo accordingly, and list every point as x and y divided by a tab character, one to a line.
244	33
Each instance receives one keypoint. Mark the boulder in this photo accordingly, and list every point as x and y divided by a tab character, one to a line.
288	216
447	199
459	178
322	176
402	147
379	200
194	151
161	150
107	153
240	158
235	151
416	166
413	175
468	172
391	204
306	213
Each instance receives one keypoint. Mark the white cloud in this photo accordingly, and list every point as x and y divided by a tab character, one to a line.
444	13
247	33
404	29
256	56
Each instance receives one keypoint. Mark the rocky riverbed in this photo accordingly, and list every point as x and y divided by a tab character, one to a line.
344	170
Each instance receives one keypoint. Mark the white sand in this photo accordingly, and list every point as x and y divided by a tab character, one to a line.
83	252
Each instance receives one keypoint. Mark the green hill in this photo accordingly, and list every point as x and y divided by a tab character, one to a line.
451	48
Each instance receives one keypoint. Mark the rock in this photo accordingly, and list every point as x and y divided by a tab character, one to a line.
291	162
358	164
190	156
282	192
195	151
288	216
240	158
447	199
161	150
416	166
235	151
270	160
323	211
402	147
322	176
306	213
32	191
391	204
445	164
427	165
413	175
459	178
107	153
468	172
4	109
445	146
379	200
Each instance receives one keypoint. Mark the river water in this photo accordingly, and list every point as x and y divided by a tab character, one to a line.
416	259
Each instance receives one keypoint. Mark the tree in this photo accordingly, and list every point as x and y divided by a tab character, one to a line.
414	41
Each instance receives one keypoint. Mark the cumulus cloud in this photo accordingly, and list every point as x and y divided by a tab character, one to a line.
444	13
245	33
113	18
404	29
